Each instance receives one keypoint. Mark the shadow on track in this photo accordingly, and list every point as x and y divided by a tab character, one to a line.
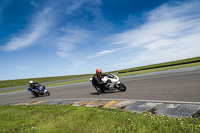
106	92
37	97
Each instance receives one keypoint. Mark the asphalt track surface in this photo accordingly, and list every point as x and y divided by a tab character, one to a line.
181	85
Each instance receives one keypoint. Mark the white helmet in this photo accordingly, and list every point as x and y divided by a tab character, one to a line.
30	82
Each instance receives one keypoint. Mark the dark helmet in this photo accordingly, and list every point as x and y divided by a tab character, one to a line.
98	72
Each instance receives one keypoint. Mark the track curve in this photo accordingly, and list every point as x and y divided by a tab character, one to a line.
172	85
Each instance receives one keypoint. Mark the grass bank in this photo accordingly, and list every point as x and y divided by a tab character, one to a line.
159	69
163	65
20	82
62	83
66	118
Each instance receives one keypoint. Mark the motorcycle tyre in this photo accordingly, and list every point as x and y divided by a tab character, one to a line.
35	94
47	93
123	87
102	90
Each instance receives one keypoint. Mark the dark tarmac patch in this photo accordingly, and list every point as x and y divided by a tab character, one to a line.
140	107
178	110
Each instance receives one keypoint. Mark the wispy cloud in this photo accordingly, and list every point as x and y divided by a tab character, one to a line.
76	5
72	35
70	41
31	36
104	52
21	67
170	32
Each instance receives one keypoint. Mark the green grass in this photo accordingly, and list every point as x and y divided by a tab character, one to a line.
160	69
20	82
162	64
62	83
66	118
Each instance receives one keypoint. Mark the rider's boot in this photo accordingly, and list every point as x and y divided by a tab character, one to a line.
98	91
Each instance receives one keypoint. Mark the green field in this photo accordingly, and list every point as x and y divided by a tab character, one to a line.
20	82
159	69
72	119
68	82
176	63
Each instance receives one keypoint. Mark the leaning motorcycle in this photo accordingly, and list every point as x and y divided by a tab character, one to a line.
113	84
39	90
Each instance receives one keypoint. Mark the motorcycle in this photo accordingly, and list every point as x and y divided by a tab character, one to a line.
39	90
113	83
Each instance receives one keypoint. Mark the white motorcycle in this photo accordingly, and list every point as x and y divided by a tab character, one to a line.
113	83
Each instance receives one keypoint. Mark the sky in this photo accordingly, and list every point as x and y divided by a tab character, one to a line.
44	38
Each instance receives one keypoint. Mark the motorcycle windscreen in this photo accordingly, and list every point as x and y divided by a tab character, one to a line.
111	76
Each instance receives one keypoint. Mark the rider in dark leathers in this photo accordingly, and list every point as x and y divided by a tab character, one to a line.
97	83
32	85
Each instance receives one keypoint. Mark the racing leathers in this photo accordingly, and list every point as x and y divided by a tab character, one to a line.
97	83
33	85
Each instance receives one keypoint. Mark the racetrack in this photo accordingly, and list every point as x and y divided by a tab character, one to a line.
172	85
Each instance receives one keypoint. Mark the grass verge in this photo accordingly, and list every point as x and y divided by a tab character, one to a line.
160	69
56	84
20	82
166	64
66	118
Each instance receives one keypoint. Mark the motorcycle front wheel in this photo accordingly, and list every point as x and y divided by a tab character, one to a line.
121	87
47	93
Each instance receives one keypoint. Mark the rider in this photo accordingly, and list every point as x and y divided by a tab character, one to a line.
97	83
32	85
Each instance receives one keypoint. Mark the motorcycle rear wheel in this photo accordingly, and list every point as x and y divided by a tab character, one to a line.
102	90
35	94
121	87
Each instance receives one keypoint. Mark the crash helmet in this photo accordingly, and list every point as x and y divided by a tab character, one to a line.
98	72
30	82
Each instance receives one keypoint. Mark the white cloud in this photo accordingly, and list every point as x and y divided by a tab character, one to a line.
170	32
21	67
32	35
102	53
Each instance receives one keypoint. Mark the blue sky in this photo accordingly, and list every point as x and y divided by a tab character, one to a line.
40	38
